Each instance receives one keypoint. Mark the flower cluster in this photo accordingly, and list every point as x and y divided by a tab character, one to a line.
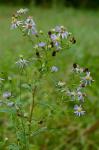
53	41
85	80
7	99
77	93
15	23
26	25
56	35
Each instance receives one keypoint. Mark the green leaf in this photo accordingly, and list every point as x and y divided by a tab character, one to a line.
7	110
43	129
13	147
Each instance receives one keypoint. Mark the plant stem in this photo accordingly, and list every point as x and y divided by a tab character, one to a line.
32	108
28	36
22	120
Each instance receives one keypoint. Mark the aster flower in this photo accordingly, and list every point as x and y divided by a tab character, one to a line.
78	110
77	69
54	69
15	23
87	80
30	26
10	104
58	29
72	94
6	95
22	63
55	41
54	37
42	44
57	45
30	20
62	32
61	84
22	11
80	96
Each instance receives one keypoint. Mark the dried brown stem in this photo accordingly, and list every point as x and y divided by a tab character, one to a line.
92	129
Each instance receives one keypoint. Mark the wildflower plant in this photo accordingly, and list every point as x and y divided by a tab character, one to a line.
31	74
77	91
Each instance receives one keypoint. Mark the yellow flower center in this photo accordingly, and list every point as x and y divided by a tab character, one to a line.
14	20
79	109
58	39
88	78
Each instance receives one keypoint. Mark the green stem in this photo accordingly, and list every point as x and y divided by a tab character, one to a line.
22	121
32	109
28	36
32	106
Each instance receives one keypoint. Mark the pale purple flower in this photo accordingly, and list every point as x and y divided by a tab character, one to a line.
61	32
30	26
57	44
78	110
56	41
6	95
64	34
58	47
87	80
42	44
58	29
53	37
54	69
30	20
10	104
80	96
16	24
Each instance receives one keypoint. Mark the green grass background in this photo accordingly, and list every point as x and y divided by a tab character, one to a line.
85	27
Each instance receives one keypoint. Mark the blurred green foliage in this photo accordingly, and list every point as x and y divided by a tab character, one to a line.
48	3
